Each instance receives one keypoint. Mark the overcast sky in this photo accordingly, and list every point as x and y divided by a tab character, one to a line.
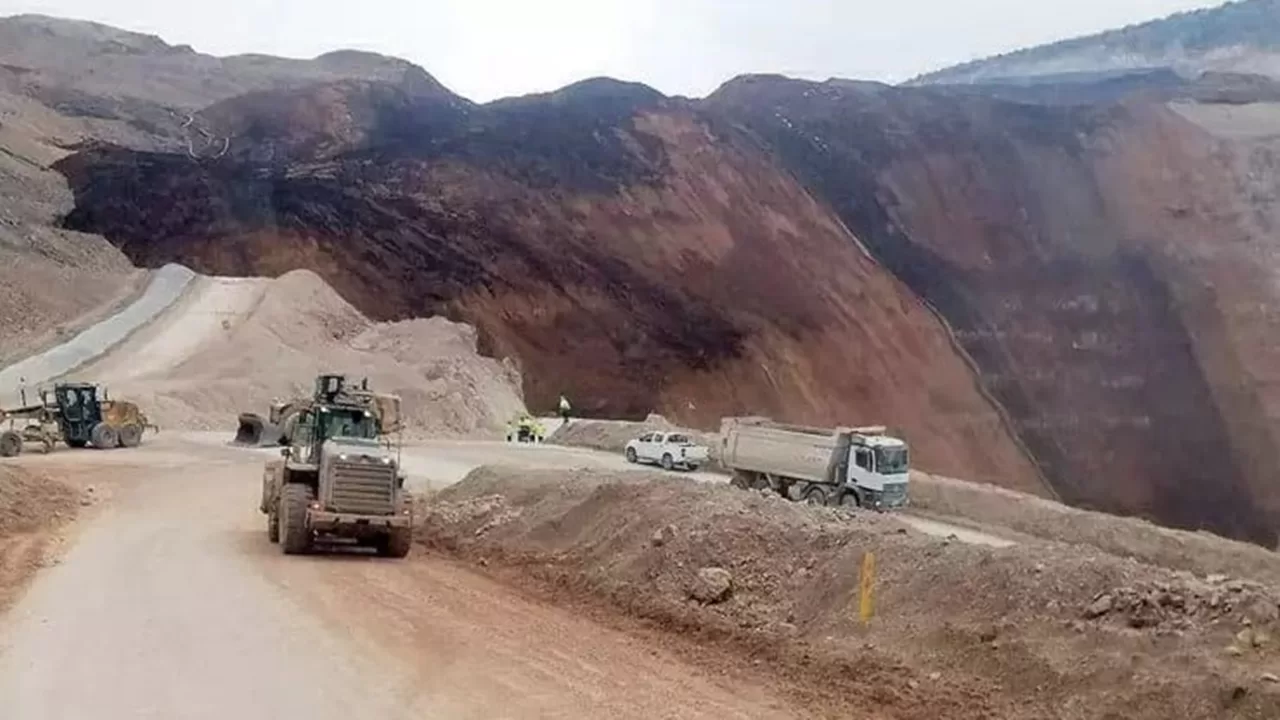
485	49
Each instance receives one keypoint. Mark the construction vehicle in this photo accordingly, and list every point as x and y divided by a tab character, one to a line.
75	414
671	450
257	431
525	428
849	466
338	480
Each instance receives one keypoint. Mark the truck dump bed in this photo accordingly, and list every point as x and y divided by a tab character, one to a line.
794	451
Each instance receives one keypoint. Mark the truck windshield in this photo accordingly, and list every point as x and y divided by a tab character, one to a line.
348	423
891	460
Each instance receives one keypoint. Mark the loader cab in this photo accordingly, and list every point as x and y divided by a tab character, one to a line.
79	411
328	422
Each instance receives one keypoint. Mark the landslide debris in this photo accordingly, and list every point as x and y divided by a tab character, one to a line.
960	631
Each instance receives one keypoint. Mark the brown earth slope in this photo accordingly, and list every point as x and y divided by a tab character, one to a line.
1097	251
628	250
1106	266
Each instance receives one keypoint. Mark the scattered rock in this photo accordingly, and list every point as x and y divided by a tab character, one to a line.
86	502
988	634
1244	638
935	676
1261	638
663	535
1270	677
1233	651
1216	579
91	489
1099	607
713	585
1039	568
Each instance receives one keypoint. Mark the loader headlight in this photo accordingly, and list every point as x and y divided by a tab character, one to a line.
386	461
343	457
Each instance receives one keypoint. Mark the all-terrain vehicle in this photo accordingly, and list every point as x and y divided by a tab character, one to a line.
339	479
76	414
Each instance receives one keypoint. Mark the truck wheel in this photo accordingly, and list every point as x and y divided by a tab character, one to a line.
104	437
849	499
10	443
396	543
273	526
295	538
130	436
740	480
816	495
631	455
761	482
668	463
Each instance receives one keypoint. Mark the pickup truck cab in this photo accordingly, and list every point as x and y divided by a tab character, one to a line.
671	450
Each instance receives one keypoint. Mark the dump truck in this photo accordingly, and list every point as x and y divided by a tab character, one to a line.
339	479
849	466
75	414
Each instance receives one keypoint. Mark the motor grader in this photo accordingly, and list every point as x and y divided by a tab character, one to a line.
75	414
339	480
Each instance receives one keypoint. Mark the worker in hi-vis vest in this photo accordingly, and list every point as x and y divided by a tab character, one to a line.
564	409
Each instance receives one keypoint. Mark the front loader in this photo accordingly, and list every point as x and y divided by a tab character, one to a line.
338	481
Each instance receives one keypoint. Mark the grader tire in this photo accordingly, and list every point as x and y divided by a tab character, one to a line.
10	444
104	437
396	544
130	436
295	537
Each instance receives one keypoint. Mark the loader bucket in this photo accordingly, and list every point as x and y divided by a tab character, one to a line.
256	432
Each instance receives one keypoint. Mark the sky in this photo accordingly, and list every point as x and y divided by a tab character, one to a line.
485	49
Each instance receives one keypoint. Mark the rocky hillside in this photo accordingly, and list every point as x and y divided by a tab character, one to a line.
1238	37
1066	284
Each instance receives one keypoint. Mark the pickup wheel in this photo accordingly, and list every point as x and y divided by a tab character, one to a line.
631	455
668	463
816	495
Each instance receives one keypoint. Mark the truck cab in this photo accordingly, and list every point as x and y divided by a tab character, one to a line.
878	470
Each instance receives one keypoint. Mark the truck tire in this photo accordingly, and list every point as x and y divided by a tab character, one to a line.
76	443
816	495
10	444
761	482
849	499
273	526
295	537
740	480
631	455
104	437
668	463
396	544
130	436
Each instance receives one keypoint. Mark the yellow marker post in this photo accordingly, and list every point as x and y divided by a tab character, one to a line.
865	607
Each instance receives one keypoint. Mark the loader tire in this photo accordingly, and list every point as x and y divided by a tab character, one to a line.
104	437
130	436
10	444
273	526
396	544
295	536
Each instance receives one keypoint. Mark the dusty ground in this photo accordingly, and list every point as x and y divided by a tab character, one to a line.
961	631
33	508
176	571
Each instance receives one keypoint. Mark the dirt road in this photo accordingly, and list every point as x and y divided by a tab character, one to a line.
171	604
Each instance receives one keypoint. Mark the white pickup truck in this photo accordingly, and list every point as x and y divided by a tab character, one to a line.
669	449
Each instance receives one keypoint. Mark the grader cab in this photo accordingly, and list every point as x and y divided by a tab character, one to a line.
75	414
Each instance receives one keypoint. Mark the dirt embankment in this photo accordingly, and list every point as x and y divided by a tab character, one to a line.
32	508
287	330
1042	631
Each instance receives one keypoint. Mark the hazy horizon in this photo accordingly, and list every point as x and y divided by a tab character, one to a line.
486	49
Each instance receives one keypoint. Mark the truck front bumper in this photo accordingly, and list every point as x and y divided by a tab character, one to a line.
353	525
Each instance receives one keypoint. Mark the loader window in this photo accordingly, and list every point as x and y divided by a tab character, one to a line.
349	424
